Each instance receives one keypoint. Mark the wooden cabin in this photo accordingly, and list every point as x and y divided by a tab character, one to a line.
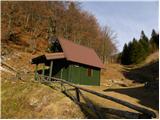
71	62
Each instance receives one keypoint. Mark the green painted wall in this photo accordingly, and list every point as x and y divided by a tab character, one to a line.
76	73
65	73
79	75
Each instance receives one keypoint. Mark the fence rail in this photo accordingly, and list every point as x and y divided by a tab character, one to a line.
144	111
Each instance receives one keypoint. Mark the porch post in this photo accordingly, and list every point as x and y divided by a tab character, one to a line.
61	73
43	70
36	74
50	70
61	78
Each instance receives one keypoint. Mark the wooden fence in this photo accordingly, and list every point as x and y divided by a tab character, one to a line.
145	113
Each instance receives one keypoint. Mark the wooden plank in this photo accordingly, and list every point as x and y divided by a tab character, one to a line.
77	94
10	67
68	94
90	105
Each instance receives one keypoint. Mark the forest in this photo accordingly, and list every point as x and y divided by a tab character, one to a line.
33	27
136	51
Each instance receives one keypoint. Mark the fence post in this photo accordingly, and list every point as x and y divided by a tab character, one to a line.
61	78
77	94
36	74
50	70
43	71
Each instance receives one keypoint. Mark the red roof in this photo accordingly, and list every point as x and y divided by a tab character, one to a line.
72	52
78	53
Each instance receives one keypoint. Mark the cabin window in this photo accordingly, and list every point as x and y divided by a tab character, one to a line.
89	72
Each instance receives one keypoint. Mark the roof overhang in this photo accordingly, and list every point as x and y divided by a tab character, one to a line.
47	57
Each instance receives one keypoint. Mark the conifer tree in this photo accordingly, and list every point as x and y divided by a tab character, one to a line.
145	43
139	53
124	58
133	51
137	50
130	52
154	40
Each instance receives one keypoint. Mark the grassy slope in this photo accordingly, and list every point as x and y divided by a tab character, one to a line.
27	99
152	57
32	100
131	77
35	100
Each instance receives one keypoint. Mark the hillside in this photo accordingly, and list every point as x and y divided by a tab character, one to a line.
34	25
46	102
136	83
133	74
152	57
34	100
22	97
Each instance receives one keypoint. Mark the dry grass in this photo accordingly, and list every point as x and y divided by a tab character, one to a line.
137	95
124	82
130	75
35	100
152	57
113	76
29	99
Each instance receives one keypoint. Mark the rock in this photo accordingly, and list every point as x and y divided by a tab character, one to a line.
38	103
25	71
41	103
33	101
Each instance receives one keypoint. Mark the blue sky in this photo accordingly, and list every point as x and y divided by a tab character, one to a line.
126	19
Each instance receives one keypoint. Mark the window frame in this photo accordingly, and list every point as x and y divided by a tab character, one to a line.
89	72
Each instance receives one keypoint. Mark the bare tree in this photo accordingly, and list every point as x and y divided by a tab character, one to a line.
58	18
108	45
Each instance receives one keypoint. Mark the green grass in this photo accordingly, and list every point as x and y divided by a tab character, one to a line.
34	100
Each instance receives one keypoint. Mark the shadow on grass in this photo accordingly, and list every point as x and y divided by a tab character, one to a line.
106	113
143	74
148	95
145	96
